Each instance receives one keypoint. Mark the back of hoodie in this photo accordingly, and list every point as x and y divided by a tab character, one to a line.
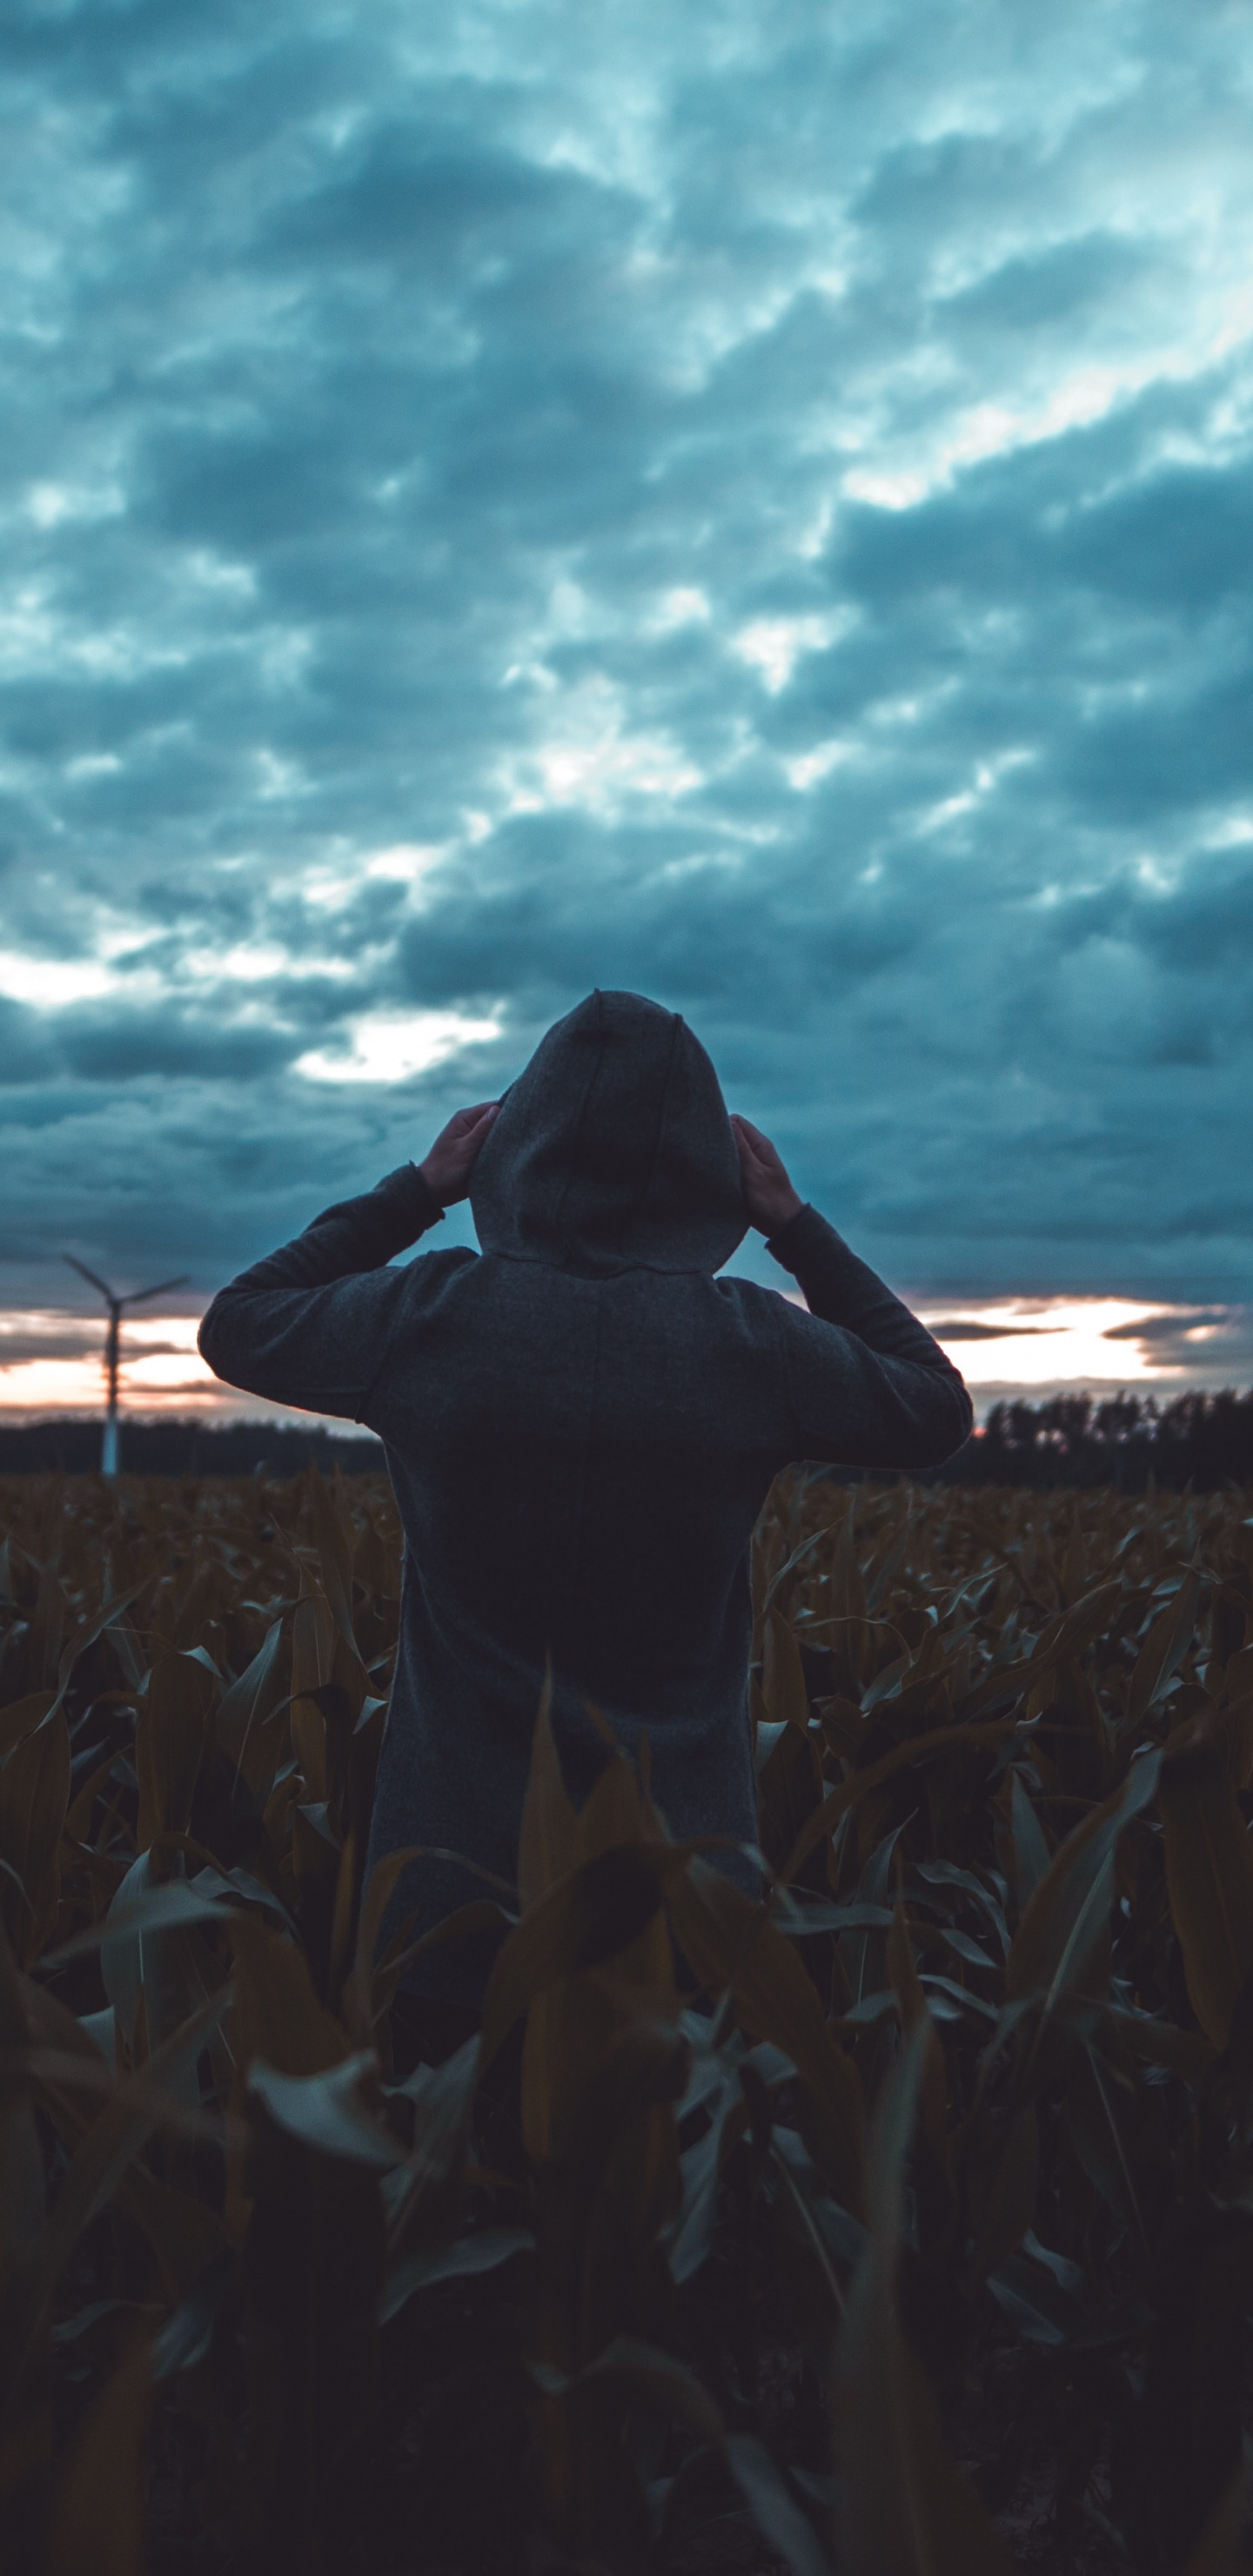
581	1425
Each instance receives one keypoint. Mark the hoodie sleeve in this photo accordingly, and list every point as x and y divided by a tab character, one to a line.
310	1324
867	1385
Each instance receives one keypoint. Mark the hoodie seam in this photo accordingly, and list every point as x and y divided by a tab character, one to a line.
641	1201
600	1278
783	1364
389	1338
580	1508
568	1176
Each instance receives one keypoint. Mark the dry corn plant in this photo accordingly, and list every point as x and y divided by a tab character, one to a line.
900	2224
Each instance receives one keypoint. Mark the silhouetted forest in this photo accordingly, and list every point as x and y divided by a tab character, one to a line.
187	1448
1205	1441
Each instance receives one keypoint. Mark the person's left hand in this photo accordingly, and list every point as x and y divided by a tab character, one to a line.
447	1168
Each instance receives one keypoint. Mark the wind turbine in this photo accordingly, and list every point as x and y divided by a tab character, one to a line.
115	1304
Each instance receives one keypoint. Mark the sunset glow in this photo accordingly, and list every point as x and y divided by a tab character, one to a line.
52	1363
162	1371
1101	1342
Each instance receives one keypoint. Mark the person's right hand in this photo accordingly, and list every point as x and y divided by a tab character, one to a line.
768	1193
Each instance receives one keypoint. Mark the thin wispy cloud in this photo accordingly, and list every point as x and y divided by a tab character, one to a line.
755	506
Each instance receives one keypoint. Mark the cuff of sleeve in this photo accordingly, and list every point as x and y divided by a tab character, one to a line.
799	1236
411	1200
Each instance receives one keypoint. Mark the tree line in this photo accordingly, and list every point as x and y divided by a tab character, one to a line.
1205	1441
1197	1440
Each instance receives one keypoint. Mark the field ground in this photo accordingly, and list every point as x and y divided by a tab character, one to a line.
914	2231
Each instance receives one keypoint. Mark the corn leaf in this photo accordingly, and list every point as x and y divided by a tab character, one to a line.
98	2528
903	2507
734	1947
1067	1909
1209	1874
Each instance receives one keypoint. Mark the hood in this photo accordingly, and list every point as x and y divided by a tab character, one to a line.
613	1149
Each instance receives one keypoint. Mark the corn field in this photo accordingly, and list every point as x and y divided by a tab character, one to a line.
898	2225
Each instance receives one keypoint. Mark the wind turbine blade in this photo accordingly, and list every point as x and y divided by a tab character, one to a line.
84	1273
137	1295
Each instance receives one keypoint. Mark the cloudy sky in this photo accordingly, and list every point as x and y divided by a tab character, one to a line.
751	503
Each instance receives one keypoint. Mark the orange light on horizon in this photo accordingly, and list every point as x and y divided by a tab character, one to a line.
161	1372
1058	1338
51	1362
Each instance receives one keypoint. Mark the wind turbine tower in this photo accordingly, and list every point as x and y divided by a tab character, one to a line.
115	1304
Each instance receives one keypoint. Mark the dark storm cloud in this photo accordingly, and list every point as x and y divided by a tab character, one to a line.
1209	1346
949	1328
757	508
1167	1332
117	1047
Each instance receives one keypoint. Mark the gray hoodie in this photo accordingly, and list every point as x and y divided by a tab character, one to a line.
581	1424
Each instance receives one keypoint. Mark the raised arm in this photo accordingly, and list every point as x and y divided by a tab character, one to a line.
867	1383
310	1324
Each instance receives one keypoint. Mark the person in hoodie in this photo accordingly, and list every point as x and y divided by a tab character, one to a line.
581	1423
